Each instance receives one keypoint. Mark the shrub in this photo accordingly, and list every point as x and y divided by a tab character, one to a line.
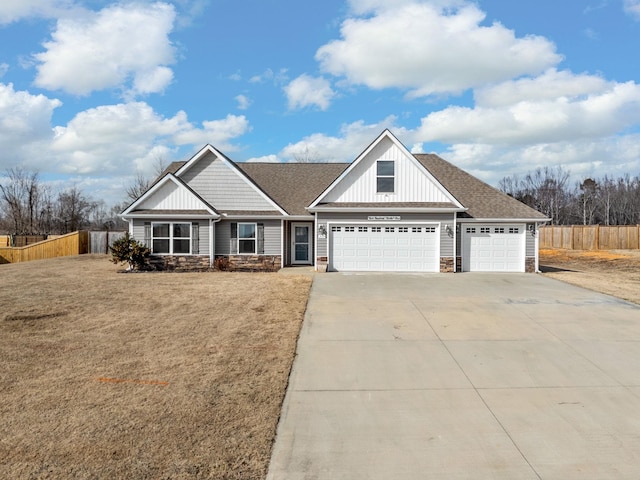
129	250
221	264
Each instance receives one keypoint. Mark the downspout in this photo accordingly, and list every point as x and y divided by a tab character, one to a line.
537	247
455	243
283	238
315	242
212	239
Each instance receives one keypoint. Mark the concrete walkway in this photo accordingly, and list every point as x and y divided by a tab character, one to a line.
466	376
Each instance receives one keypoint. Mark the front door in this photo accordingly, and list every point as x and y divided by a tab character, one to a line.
300	243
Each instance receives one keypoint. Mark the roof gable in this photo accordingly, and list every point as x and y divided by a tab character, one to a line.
220	182
168	194
413	183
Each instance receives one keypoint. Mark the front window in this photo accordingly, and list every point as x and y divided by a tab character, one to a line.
385	176
247	238
171	238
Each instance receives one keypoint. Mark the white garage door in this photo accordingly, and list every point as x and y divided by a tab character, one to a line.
384	248
493	248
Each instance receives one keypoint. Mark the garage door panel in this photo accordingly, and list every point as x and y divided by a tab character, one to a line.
402	248
493	248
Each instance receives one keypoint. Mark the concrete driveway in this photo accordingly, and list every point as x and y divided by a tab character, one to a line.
474	376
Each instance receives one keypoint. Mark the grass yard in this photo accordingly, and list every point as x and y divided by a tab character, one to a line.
614	272
142	376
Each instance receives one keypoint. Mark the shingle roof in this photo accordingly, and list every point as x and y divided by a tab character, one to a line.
293	186
481	199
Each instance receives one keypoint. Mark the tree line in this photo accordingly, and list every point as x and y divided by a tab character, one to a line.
30	207
604	201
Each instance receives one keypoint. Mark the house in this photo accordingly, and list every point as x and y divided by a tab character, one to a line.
388	210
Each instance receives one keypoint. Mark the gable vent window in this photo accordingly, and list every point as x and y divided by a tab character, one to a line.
385	176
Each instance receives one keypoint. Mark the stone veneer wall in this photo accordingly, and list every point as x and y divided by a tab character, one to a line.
180	263
446	265
254	263
530	265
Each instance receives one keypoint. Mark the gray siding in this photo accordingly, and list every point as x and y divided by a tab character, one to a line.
223	187
530	244
138	231
446	241
272	236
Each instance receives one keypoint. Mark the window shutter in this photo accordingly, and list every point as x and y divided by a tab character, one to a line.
260	238
233	242
195	238
147	234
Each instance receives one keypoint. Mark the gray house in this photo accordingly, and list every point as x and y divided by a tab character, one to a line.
388	210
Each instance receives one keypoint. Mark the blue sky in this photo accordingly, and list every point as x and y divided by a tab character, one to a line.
92	93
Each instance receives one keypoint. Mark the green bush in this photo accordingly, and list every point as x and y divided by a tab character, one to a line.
129	250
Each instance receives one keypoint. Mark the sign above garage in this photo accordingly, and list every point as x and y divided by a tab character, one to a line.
384	218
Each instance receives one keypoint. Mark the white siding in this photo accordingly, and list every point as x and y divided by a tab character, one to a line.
170	196
223	187
412	184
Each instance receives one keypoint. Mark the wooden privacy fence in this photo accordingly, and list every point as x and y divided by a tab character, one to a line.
99	242
75	243
591	237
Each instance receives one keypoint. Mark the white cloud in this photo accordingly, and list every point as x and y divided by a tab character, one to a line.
264	159
243	102
124	137
632	8
4	68
215	132
122	46
353	138
539	110
307	91
25	124
431	48
14	10
269	75
613	156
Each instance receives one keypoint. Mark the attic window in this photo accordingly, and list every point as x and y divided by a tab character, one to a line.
385	176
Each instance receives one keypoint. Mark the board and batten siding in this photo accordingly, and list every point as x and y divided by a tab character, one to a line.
446	241
223	187
203	244
172	197
412	183
272	236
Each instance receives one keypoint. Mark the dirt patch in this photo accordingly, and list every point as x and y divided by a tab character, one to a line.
614	272
111	375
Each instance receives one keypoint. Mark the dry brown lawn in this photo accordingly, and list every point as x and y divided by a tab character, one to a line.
614	272
142	376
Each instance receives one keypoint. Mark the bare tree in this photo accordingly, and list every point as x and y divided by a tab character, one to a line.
142	182
23	198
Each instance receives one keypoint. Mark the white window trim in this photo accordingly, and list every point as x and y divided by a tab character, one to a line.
171	238
255	237
393	177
